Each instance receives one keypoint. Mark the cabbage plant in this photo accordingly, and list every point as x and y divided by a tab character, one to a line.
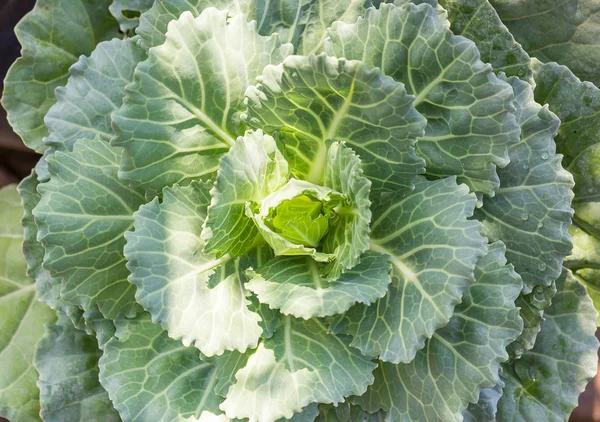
304	210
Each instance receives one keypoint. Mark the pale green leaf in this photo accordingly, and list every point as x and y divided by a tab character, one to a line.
561	31
150	377
545	383
251	170
82	214
293	189
531	211
172	275
303	23
127	12
181	113
95	89
322	14
478	21
286	17
67	361
348	236
441	12
23	318
461	358
433	248
295	286
311	100
53	36
302	363
470	122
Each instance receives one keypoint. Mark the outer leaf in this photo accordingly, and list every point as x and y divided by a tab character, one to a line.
286	17
294	285
470	124
546	382
461	358
348	237
433	249
478	21
300	22
127	12
67	360
82	215
551	30
347	412
181	112
578	106
49	48
152	377
532	308
300	364
94	91
47	287
310	100
322	14
486	407
23	318
250	171
531	211
172	275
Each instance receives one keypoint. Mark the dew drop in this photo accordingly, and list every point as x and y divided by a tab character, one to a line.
540	225
541	266
544	156
525	166
524	216
484	405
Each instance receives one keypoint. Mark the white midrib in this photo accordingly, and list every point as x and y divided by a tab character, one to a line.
318	166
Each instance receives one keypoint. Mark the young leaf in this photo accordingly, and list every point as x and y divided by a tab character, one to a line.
294	285
250	171
67	361
23	318
311	100
433	249
285	239
152	377
93	92
470	123
348	236
181	113
49	49
531	211
82	215
546	382
172	275
461	358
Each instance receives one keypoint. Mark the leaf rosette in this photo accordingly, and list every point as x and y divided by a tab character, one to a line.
306	210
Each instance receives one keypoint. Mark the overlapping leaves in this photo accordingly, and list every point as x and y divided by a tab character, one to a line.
232	332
